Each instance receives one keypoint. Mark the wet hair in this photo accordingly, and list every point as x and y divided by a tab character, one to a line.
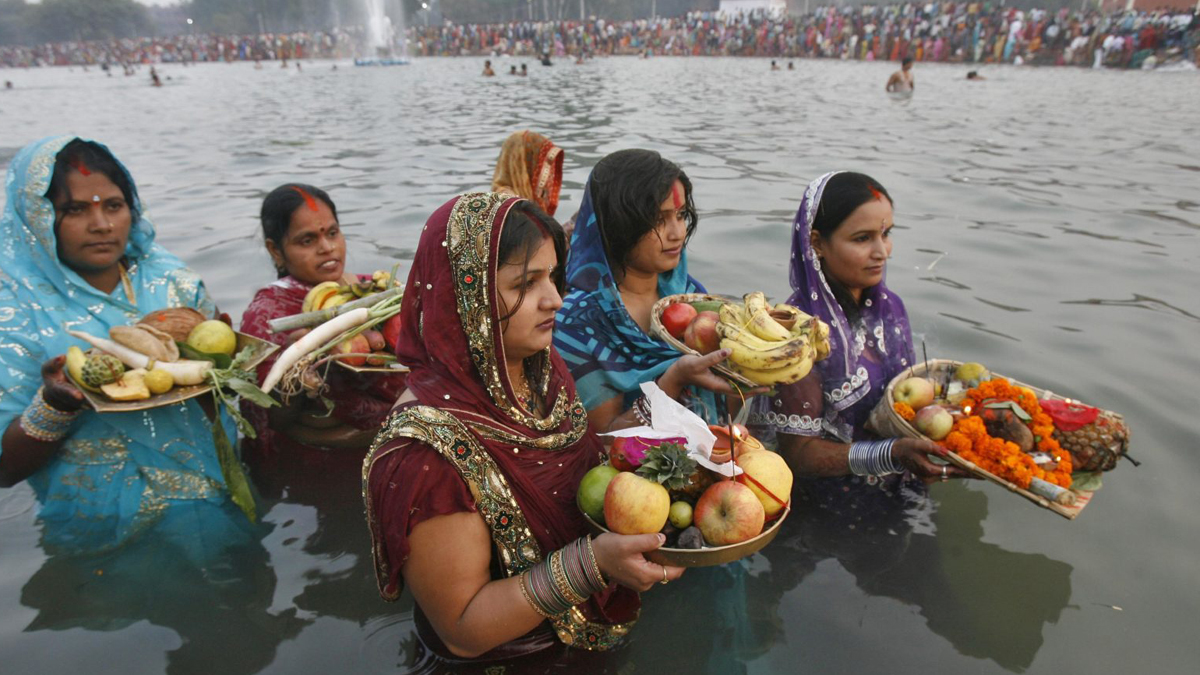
627	187
280	204
843	194
524	229
92	158
907	60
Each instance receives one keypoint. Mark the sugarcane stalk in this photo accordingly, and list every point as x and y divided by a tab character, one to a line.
288	323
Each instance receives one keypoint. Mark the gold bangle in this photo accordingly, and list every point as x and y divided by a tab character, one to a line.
560	579
529	597
595	565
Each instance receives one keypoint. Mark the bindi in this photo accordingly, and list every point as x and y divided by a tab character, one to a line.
308	199
677	195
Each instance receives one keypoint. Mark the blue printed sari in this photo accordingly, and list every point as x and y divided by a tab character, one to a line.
117	474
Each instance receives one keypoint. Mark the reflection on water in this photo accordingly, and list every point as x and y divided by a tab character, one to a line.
1046	226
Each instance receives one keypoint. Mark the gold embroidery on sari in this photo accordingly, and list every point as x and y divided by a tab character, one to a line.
495	503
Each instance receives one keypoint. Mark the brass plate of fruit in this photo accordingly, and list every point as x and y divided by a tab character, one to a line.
708	555
393	368
101	403
659	331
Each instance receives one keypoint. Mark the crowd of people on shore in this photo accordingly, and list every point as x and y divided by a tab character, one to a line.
971	32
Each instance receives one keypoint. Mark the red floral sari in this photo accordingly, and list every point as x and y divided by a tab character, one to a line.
360	400
469	443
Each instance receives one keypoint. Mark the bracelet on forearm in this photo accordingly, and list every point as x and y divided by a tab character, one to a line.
641	410
872	458
567	577
45	423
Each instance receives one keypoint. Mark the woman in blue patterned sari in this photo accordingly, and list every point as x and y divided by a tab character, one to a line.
76	252
628	252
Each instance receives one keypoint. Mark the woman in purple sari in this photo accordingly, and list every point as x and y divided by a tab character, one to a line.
841	240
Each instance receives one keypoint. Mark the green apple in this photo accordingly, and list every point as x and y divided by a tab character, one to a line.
680	515
590	497
917	392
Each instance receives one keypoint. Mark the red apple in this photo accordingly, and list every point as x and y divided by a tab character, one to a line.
917	392
634	505
701	333
934	421
676	317
728	513
391	332
357	345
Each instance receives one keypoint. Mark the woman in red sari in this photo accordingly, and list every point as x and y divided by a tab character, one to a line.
305	242
470	487
530	166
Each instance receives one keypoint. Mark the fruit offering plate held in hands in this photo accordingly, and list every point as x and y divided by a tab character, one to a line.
708	556
261	349
659	330
886	421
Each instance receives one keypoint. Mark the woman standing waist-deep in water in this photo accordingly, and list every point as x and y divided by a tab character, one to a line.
470	487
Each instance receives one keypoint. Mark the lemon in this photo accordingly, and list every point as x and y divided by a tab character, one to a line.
159	381
213	337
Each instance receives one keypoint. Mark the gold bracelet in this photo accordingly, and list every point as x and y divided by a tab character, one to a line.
529	597
560	579
595	565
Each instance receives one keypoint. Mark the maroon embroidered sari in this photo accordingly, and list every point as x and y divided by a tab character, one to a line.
360	400
469	443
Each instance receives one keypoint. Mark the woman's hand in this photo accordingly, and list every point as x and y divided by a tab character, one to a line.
57	390
693	370
913	454
620	559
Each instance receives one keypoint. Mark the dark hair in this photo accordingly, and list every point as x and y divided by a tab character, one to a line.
627	188
93	158
280	204
844	193
524	228
907	60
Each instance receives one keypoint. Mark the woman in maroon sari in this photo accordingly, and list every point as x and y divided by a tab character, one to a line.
470	487
305	241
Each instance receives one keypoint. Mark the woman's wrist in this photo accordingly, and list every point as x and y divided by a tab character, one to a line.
873	458
44	422
567	577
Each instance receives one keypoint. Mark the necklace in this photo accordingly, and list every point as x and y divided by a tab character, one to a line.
523	391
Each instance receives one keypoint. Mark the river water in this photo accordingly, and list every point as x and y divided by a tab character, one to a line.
1047	225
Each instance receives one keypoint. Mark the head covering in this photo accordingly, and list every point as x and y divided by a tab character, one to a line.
466	408
883	321
117	472
530	166
609	354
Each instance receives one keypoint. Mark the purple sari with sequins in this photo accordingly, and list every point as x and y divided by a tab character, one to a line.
864	355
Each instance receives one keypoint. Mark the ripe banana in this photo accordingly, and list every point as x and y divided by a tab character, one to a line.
761	322
785	375
317	296
783	355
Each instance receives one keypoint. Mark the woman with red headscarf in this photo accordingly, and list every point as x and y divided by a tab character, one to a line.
470	486
530	166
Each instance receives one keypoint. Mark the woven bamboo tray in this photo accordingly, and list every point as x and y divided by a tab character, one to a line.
708	555
885	421
659	331
102	404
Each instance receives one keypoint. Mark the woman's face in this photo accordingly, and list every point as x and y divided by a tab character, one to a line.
530	329
92	221
660	249
856	253
314	249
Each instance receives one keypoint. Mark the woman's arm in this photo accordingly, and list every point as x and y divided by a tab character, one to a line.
817	457
449	573
23	454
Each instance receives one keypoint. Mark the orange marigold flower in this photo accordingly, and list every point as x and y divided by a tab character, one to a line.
904	410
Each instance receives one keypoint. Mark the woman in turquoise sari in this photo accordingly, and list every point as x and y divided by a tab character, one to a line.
627	252
77	253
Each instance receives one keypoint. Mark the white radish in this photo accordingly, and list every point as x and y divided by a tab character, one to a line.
182	371
313	340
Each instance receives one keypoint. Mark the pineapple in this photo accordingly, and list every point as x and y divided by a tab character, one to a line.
669	465
1096	446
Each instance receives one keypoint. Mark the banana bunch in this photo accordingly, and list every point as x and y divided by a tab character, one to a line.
771	345
329	294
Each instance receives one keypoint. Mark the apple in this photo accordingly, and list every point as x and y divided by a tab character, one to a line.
634	505
680	515
676	317
728	513
375	339
391	332
356	345
592	488
934	421
917	392
701	333
768	477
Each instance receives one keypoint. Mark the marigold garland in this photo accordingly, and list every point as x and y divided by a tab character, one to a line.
969	438
904	410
